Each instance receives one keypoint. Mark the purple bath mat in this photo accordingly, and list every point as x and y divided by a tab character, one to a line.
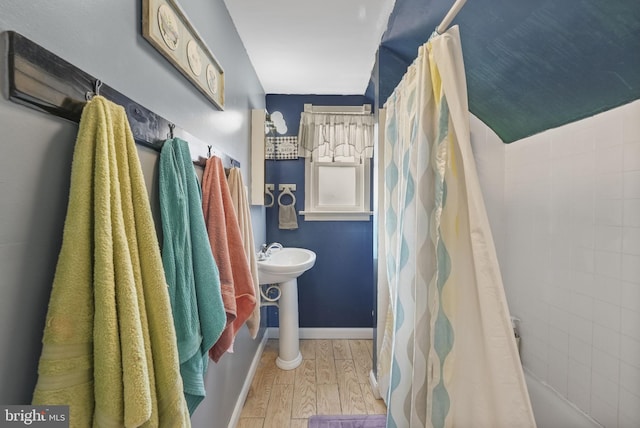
348	421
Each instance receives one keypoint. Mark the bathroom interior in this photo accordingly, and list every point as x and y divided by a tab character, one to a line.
554	127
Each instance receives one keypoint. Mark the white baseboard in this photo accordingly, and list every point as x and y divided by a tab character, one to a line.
235	416
327	333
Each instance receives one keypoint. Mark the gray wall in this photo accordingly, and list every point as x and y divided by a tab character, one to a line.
103	38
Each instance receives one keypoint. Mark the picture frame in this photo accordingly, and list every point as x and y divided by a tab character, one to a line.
166	27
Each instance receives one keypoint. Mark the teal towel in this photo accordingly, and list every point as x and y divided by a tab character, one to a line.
194	282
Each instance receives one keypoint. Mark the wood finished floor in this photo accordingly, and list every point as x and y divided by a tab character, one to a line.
333	379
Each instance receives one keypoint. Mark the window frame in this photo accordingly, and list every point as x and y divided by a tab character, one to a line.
360	211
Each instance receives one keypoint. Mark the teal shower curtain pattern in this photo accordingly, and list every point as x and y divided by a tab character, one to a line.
448	356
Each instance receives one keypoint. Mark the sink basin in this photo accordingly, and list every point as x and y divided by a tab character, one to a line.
285	264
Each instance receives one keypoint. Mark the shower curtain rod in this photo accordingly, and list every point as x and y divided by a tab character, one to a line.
446	21
41	80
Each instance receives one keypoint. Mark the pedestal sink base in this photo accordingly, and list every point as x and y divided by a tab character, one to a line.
289	341
282	267
289	365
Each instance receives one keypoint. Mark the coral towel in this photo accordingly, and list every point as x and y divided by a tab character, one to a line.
194	283
236	283
109	345
241	205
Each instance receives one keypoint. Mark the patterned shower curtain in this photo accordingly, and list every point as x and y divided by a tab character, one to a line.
448	357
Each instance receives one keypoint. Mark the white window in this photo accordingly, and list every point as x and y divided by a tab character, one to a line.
338	148
337	190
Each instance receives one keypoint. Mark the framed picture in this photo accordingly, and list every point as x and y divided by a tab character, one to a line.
167	28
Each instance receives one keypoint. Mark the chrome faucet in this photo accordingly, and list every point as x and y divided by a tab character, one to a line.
265	250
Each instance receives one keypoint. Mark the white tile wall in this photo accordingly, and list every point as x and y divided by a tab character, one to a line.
564	206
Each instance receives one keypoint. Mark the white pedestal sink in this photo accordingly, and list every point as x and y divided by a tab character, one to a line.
283	267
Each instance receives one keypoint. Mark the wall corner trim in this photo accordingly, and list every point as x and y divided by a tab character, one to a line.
373	383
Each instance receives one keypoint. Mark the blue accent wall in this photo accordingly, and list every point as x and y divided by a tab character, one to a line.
530	65
339	290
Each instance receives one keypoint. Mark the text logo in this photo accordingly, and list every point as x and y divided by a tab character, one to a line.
13	416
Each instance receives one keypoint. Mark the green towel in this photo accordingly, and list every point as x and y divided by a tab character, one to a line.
109	345
192	274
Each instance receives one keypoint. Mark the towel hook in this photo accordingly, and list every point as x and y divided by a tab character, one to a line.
171	128
97	86
96	90
209	151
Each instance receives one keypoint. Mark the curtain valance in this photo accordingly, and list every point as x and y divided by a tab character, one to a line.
336	137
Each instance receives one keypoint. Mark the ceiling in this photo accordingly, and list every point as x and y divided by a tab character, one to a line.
325	47
530	65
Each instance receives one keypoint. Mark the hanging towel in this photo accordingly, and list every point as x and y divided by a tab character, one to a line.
109	345
236	283
287	216
241	206
192	274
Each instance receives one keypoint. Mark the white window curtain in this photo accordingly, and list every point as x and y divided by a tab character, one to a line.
336	137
